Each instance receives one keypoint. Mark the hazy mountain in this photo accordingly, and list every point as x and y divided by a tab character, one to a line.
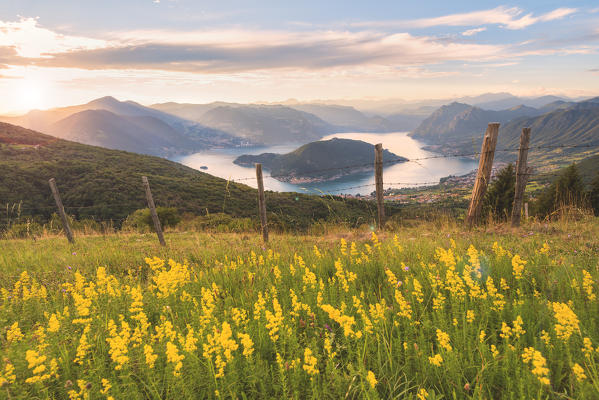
512	101
457	122
349	119
139	134
267	124
577	124
319	161
105	184
555	105
172	126
192	112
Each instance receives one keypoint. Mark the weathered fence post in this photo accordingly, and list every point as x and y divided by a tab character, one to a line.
152	208
526	211
262	203
521	177
378	180
483	174
65	222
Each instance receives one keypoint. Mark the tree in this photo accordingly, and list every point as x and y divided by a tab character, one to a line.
500	195
567	190
594	195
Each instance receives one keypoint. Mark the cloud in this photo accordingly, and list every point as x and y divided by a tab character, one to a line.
472	32
235	51
29	39
510	18
594	71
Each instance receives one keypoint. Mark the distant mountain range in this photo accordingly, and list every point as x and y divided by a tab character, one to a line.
319	161
269	125
258	120
127	125
458	126
170	129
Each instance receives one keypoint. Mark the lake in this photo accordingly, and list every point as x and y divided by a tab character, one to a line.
409	174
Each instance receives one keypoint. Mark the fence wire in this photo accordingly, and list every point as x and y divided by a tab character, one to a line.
335	192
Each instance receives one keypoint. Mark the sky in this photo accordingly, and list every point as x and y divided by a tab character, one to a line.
62	52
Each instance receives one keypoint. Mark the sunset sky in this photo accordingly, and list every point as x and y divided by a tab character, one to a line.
62	52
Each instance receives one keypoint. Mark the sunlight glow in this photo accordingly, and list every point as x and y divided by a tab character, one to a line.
30	95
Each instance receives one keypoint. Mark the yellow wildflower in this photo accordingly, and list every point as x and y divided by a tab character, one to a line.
578	372
518	266
540	370
248	344
173	357
53	324
370	377
310	362
274	320
567	321
436	360
587	285
150	355
470	316
14	333
443	339
106	386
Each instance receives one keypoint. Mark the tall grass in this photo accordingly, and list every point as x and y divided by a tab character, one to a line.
428	312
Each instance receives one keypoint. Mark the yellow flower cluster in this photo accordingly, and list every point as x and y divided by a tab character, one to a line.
436	360
310	362
220	347
370	377
518	266
444	340
539	364
567	321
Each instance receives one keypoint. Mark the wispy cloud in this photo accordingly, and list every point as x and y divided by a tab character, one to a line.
510	18
235	50
472	32
29	39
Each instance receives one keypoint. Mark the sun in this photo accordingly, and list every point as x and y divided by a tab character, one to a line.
29	95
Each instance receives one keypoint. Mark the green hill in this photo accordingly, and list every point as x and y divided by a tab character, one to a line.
320	161
106	184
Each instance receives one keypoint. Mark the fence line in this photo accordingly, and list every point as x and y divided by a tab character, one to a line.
337	191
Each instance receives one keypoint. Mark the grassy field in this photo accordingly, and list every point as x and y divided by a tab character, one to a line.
427	312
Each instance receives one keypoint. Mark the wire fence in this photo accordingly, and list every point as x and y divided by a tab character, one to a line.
71	209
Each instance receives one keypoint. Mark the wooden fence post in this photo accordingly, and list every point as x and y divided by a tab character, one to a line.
153	213
65	222
483	174
261	203
526	210
521	177
378	180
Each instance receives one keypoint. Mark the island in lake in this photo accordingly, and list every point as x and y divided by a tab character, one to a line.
320	161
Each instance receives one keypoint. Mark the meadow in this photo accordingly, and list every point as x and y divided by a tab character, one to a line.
424	312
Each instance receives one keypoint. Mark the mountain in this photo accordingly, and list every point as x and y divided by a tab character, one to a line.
319	161
342	118
105	184
457	123
267	124
141	134
200	137
577	124
349	119
509	101
191	112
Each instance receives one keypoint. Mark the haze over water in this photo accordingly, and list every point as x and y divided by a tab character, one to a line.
220	163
